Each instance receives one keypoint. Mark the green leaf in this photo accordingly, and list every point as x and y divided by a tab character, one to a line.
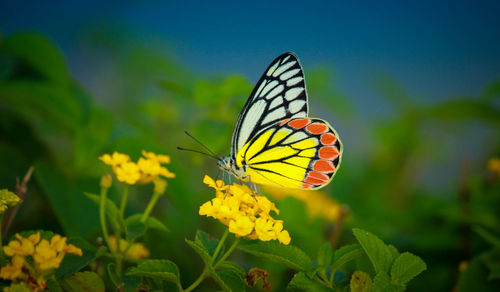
151	222
325	255
115	279
19	287
53	286
74	263
346	254
208	242
230	280
466	109
289	255
382	283
406	267
201	251
39	53
361	282
475	278
488	236
380	254
135	229
130	283
156	269
301	283
228	265
66	199
84	281
112	212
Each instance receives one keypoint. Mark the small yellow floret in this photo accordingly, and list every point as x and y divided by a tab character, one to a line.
136	250
128	173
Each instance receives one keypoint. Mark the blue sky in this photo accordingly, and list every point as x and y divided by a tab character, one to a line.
437	49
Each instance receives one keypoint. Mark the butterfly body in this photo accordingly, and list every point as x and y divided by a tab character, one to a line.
275	142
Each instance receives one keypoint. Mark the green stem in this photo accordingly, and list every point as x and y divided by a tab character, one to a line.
126	191
228	252
219	246
206	270
102	216
150	206
198	281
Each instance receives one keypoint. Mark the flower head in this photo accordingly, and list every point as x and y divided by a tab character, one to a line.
8	200
244	212
145	170
45	255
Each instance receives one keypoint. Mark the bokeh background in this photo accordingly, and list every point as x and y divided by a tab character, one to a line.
412	88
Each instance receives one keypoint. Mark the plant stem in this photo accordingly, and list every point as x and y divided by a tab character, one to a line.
126	191
206	270
228	252
198	281
150	206
219	246
102	216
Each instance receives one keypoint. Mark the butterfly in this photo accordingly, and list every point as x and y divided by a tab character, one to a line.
274	141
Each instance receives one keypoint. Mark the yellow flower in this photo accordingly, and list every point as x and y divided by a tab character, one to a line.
318	204
128	173
8	200
494	165
22	246
163	159
244	212
136	250
14	270
46	256
49	255
146	169
114	159
218	185
242	226
264	229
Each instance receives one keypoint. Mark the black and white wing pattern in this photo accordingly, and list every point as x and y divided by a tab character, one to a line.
280	94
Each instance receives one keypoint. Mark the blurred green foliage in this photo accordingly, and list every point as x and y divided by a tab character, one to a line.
416	176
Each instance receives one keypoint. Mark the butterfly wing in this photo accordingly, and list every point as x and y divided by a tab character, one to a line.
280	94
301	153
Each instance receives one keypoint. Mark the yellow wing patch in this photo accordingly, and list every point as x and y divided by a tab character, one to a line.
298	153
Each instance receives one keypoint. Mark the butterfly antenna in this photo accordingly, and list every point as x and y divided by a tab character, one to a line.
197	151
198	141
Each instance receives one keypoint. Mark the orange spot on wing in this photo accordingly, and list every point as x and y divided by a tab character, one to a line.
284	122
328	152
328	139
317	128
324	166
318	175
313	180
299	123
307	186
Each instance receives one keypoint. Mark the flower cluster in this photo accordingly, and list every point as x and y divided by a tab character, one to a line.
244	212
44	256
135	251
8	200
494	165
145	170
318	204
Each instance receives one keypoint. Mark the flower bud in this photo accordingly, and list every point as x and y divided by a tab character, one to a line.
106	181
